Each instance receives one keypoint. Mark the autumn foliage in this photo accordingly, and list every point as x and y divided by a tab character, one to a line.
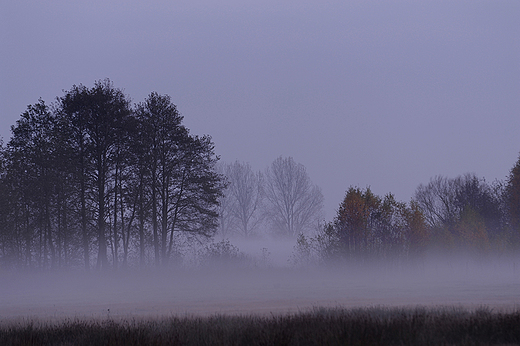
369	226
464	213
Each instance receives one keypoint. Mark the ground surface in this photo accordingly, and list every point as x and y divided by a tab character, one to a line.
260	291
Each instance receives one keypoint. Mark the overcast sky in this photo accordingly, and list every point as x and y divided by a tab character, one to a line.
365	93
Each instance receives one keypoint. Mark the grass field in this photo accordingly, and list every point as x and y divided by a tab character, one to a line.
320	326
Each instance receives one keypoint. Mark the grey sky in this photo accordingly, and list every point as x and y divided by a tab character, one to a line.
371	93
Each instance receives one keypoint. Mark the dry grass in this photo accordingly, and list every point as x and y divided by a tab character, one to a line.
368	326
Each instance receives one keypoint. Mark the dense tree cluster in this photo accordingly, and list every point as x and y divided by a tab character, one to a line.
366	226
448	214
282	200
93	179
468	213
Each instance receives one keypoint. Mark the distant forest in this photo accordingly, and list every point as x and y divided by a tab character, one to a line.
94	181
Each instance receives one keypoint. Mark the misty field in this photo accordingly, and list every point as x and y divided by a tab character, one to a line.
439	301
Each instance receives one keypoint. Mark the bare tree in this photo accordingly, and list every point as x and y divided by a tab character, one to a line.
462	210
444	199
437	201
295	204
226	221
245	190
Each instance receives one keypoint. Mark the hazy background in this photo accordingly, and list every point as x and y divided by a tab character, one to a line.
442	281
372	93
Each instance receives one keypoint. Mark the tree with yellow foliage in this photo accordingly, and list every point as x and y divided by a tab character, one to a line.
356	216
418	233
367	224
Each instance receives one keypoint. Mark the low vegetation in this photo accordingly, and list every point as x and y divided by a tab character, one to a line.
368	326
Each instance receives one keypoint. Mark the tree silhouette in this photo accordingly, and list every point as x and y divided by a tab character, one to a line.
513	201
244	196
91	172
99	117
295	204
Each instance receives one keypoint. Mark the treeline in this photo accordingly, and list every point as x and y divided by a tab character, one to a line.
93	180
462	214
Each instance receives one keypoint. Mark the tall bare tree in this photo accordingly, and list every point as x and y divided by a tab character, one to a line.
245	191
226	204
295	204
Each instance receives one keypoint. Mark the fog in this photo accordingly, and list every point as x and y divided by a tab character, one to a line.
262	288
364	93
